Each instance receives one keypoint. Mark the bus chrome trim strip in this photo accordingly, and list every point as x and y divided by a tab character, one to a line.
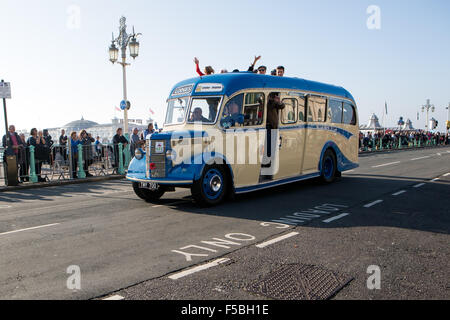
181	182
271	184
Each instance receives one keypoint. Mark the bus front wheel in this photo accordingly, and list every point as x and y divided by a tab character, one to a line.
148	194
329	167
212	186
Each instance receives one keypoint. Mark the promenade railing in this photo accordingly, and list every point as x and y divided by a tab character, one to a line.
59	162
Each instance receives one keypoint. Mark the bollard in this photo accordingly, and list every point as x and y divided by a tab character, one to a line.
399	143
120	154
381	144
33	176
81	173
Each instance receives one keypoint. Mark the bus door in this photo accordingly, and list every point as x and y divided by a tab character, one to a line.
291	136
243	145
315	137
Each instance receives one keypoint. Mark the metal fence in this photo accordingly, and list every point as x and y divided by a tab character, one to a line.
374	144
59	163
63	163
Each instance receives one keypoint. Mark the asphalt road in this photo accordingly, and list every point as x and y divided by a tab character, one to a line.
391	212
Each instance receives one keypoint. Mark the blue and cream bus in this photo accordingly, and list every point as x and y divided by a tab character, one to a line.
215	140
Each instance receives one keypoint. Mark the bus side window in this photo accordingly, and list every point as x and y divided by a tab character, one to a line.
349	115
301	109
316	109
232	109
253	109
289	113
335	111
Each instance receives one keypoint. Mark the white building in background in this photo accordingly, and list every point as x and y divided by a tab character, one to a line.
374	125
105	131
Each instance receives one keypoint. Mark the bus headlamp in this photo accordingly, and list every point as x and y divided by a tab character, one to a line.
139	154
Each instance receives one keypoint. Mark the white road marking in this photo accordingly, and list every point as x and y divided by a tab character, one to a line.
169	204
386	164
4	206
116	297
336	217
420	158
439	154
268	243
187	272
27	229
419	185
398	193
372	203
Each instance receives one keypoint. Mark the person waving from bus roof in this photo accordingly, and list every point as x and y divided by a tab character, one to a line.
208	70
252	66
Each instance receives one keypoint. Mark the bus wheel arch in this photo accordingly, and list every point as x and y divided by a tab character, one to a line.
213	185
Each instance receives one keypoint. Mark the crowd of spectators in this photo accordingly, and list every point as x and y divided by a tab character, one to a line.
389	139
46	151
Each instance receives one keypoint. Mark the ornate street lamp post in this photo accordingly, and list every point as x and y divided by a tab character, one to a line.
427	107
123	41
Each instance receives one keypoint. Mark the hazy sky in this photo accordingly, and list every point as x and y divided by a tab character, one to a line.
57	62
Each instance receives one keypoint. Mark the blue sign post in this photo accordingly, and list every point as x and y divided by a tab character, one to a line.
123	104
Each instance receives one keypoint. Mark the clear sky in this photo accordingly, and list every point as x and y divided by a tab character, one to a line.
59	68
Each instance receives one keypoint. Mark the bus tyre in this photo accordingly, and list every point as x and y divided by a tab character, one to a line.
212	186
329	167
147	194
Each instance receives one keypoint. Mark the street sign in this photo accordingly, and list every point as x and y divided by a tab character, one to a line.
5	90
125	105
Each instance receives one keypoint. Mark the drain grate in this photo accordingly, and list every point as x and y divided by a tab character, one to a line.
300	282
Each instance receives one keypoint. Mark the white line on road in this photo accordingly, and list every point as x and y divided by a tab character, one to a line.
4	206
398	193
27	229
420	158
187	272
116	297
268	243
169	204
372	203
336	217
419	185
386	164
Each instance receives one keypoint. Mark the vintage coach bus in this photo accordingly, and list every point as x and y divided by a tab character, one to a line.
215	140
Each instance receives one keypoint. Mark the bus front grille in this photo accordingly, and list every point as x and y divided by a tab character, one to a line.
158	158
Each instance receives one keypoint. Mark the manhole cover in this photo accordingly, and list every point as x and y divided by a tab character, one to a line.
300	282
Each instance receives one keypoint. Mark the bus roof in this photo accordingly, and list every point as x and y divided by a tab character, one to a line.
236	81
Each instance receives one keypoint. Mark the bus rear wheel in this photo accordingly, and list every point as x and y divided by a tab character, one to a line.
212	186
329	167
148	194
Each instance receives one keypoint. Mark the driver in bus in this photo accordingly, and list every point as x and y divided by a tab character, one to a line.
197	116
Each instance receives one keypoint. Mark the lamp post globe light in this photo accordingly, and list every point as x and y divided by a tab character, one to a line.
426	108
123	41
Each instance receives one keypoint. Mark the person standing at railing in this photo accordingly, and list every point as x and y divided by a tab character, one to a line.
63	144
86	140
36	140
74	142
14	146
119	138
24	160
134	141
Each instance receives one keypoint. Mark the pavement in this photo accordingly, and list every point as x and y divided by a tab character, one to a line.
392	213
